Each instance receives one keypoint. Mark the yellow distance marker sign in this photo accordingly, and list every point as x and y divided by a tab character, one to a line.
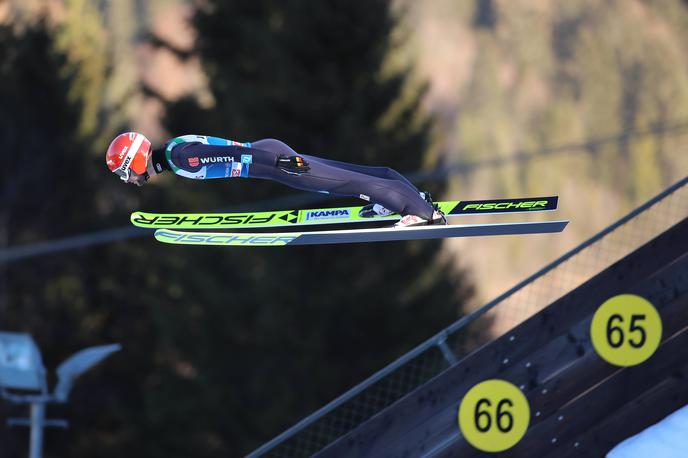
494	415
626	330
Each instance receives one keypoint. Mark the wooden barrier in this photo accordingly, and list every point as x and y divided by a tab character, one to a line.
551	358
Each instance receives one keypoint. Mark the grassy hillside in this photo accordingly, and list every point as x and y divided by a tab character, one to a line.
584	99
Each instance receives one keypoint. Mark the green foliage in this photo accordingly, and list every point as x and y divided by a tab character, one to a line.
576	72
584	99
48	186
297	327
82	39
36	120
222	349
55	184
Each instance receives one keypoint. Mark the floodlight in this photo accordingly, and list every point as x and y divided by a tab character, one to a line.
77	364
21	366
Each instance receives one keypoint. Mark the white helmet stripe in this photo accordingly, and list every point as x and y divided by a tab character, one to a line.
136	144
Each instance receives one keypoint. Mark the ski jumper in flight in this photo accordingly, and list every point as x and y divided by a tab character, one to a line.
199	157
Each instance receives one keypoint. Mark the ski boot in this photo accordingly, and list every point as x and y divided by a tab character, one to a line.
372	210
415	220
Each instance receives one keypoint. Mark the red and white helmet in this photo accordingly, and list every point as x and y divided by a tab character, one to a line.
128	151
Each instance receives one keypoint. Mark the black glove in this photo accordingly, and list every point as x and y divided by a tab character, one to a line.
292	164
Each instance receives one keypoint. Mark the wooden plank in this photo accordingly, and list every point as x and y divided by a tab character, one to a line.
634	417
603	400
548	398
556	384
429	413
669	293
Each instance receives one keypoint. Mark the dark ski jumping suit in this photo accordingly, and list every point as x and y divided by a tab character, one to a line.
201	157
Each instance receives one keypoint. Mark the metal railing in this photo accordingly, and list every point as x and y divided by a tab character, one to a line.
443	350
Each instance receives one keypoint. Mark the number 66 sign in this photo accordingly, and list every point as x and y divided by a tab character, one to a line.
494	415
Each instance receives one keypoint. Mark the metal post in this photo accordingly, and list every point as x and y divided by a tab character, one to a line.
37	424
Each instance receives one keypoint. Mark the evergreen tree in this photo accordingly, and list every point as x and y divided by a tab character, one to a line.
48	190
296	327
54	184
222	349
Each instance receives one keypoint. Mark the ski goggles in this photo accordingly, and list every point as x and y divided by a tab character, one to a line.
124	170
122	174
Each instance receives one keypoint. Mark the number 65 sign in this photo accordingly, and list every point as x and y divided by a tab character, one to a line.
626	330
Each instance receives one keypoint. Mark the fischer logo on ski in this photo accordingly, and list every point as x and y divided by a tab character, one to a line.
505	205
222	239
142	220
508	205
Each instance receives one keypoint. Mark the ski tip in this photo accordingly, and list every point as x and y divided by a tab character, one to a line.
165	235
137	217
562	225
554	201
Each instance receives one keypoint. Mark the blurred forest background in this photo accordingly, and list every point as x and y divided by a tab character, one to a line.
223	350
